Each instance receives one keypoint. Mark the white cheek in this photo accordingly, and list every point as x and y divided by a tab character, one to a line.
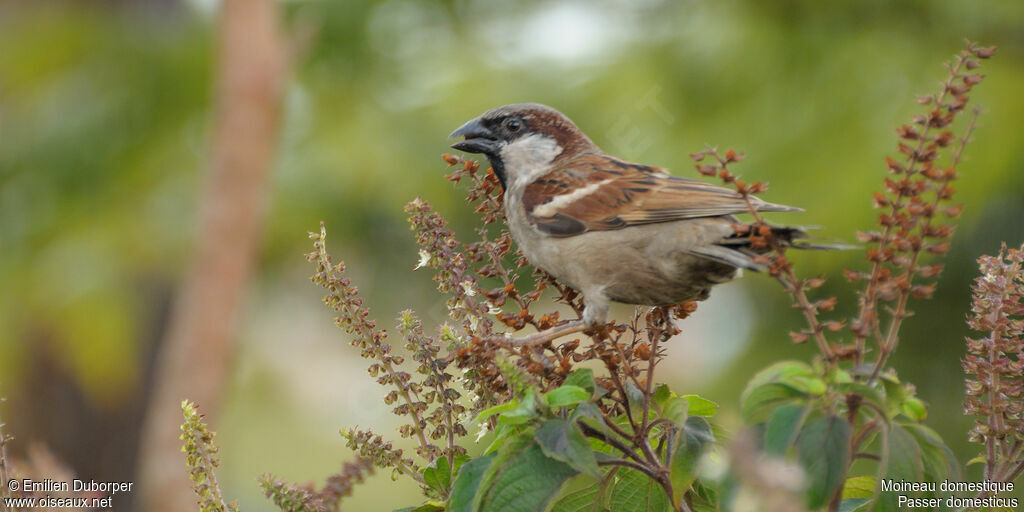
529	158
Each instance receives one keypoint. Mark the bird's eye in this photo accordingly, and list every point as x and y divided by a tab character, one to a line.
513	125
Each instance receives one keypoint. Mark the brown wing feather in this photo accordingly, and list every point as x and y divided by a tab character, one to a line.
595	192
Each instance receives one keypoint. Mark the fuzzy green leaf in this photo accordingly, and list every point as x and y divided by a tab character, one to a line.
823	449
695	439
758	404
700	406
676	409
914	409
566	395
903	462
562	440
855	505
426	507
939	461
583	500
511	405
584	378
859	487
523	413
590	411
467	483
783	428
661	395
781	371
526	482
636	492
438	475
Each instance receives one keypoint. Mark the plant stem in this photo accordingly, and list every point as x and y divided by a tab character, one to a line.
868	315
888	344
629	464
617	444
795	288
3	461
652	362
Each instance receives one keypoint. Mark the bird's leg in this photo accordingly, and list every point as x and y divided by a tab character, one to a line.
595	308
595	312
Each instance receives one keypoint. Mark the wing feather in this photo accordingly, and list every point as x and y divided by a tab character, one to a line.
597	192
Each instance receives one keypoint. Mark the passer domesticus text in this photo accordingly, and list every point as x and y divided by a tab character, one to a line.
611	229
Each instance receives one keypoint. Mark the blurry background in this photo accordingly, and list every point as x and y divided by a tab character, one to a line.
105	128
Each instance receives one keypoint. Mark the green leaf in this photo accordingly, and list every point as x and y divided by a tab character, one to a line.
854	505
583	500
426	507
584	378
978	459
705	499
438	474
783	428
780	372
939	461
514	442
566	395
823	449
523	413
903	462
895	394
840	376
694	440
813	385
676	409
526	482
636	492
511	405
758	404
700	406
661	395
914	409
501	433
459	461
634	394
859	487
562	440
775	385
589	411
467	482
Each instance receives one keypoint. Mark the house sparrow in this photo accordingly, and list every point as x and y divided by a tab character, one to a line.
611	229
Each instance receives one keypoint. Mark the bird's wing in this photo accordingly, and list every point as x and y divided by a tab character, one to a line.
597	192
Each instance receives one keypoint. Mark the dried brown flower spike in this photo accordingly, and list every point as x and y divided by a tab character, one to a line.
994	363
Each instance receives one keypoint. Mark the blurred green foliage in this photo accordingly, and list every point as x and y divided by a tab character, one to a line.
104	122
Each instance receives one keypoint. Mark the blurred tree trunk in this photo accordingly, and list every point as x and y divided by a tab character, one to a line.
197	347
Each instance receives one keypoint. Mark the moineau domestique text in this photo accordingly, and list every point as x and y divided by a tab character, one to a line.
48	485
945	486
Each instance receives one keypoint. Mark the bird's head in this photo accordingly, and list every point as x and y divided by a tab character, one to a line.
522	140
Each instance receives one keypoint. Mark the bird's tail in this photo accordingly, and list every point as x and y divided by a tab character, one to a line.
742	248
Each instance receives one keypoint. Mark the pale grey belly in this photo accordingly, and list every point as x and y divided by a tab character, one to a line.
649	265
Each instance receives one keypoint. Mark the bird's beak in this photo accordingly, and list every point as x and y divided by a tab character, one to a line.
478	138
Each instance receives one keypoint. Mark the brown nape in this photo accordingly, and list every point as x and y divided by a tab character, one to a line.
561	128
